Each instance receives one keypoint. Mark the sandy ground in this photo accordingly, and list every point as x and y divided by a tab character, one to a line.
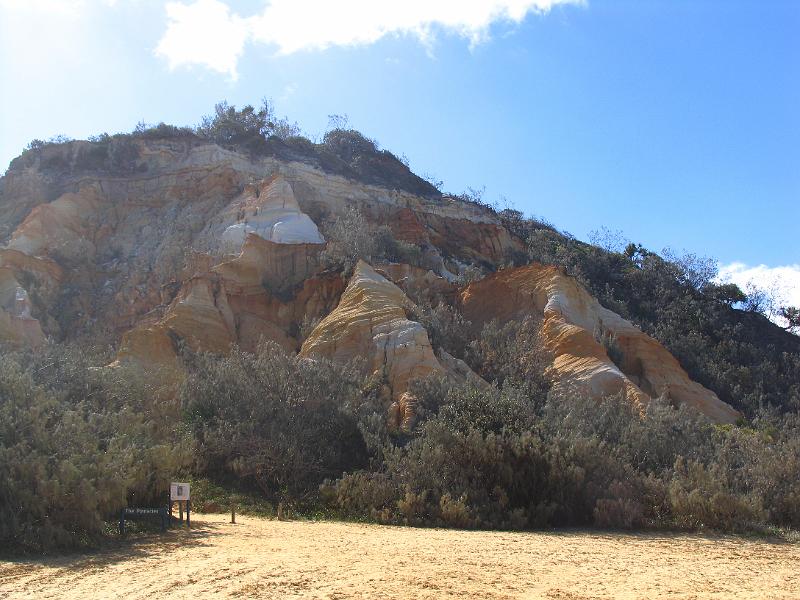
272	559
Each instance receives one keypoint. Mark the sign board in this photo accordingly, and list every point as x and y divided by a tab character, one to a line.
142	512
139	513
178	491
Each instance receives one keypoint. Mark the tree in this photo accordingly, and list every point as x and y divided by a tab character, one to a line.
338	122
758	300
248	128
228	126
609	240
727	293
792	316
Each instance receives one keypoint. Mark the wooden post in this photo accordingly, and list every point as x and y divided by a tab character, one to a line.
188	510
180	509
233	514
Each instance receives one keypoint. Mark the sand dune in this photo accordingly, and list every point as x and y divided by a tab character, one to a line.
272	559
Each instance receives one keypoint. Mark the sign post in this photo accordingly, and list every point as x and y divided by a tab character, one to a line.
180	493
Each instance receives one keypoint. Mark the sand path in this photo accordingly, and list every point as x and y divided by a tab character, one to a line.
272	559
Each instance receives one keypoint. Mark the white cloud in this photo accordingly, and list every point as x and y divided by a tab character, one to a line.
209	33
782	283
204	33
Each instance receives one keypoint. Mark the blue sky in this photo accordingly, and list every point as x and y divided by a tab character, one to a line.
675	121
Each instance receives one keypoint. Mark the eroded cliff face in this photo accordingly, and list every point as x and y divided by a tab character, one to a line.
581	334
123	241
17	326
205	248
371	322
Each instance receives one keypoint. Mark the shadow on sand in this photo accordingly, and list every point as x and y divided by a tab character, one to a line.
646	536
114	550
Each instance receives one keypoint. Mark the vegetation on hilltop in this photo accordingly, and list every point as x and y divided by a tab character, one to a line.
254	131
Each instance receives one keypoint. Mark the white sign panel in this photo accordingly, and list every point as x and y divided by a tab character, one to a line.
179	491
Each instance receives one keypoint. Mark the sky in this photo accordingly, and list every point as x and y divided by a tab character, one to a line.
676	122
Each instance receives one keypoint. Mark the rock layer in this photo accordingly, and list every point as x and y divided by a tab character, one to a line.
17	327
271	213
575	327
370	322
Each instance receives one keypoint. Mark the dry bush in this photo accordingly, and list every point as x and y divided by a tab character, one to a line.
514	353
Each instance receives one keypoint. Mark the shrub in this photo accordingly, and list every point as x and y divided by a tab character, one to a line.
456	513
161	131
446	326
618	513
472	463
247	128
497	458
699	497
349	238
650	443
469	274
513	352
76	445
348	144
279	424
390	248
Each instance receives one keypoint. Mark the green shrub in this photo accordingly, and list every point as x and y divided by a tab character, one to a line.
247	128
445	325
513	353
162	131
498	458
76	445
472	463
349	144
276	423
351	237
